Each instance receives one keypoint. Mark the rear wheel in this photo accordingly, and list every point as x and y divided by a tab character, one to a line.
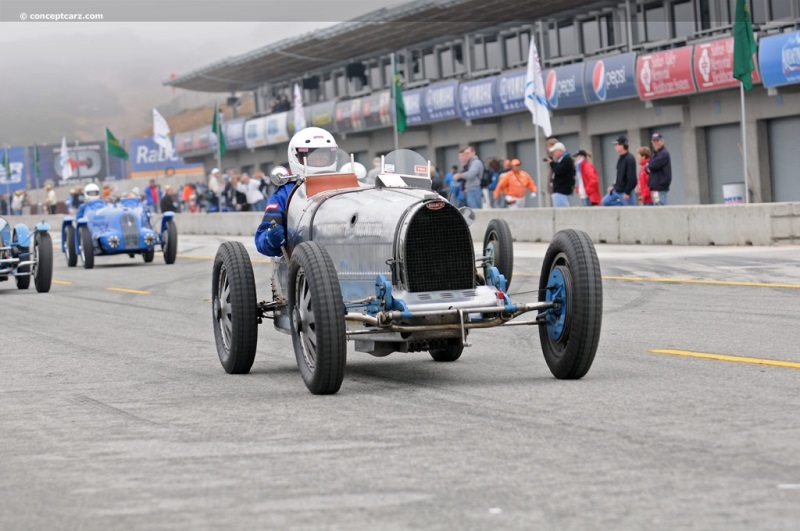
571	331
24	280
451	352
169	242
71	246
43	268
317	319
87	247
234	305
498	245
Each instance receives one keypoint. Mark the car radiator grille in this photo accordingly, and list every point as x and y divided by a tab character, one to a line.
130	231
439	253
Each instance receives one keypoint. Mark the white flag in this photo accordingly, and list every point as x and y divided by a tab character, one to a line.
535	99
63	160
161	134
299	113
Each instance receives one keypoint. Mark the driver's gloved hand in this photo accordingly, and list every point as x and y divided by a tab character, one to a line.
276	237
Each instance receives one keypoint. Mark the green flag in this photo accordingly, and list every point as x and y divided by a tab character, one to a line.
744	45
37	172
216	128
115	149
7	164
399	105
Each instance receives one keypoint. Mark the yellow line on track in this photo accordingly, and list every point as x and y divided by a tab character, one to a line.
61	282
690	281
193	257
723	357
125	290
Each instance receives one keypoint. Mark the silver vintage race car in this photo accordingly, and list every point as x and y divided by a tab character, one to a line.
392	267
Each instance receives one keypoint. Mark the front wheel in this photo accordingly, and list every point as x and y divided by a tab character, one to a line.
234	305
43	268
87	247
571	330
317	318
450	352
169	242
148	255
498	245
71	246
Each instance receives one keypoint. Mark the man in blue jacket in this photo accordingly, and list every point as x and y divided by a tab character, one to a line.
660	171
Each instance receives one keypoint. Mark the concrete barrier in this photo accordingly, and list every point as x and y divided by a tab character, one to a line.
762	224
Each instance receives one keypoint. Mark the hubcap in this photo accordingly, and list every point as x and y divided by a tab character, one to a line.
222	308
557	285
304	321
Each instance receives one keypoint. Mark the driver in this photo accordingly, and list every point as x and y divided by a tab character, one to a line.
90	194
312	150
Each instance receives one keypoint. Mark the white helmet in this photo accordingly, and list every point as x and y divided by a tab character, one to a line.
91	192
317	147
357	168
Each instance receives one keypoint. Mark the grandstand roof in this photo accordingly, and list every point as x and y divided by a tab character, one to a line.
373	34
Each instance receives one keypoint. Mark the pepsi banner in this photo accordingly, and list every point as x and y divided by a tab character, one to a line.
234	133
563	87
511	91
18	177
412	100
610	78
477	98
148	160
376	110
779	59
441	102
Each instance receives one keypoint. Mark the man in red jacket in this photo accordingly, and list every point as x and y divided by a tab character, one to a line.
588	183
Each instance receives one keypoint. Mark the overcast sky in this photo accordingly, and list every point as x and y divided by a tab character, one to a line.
74	78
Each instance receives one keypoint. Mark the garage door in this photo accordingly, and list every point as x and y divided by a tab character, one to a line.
783	142
673	141
486	150
724	160
448	157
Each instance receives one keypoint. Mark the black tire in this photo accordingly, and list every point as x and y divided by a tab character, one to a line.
24	281
497	242
87	247
43	270
572	256
71	246
234	305
317	316
148	255
451	352
169	242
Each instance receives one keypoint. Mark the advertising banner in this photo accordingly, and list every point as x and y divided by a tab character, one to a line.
610	78
18	164
277	128
255	132
234	133
348	116
563	86
201	139
713	65
376	110
183	142
148	160
511	91
665	74
87	162
779	59
478	98
441	101
412	99
322	115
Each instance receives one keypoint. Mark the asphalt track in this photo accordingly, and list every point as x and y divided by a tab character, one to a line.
116	414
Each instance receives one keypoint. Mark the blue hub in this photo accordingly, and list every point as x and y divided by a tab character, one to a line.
557	315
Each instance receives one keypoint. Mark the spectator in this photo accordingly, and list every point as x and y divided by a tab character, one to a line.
16	203
621	193
491	168
642	189
3	205
254	199
51	199
77	198
498	171
456	189
437	182
470	175
563	175
660	170
586	176
186	198
239	198
552	141
167	201
263	183
227	197
215	185
153	196
374	171
513	184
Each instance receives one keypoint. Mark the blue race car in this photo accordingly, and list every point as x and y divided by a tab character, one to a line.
25	254
125	228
